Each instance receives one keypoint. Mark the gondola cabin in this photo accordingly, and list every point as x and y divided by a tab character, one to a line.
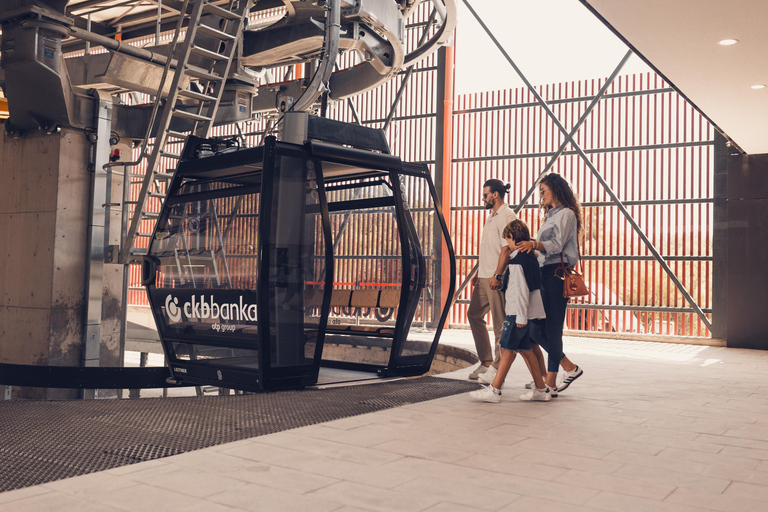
318	250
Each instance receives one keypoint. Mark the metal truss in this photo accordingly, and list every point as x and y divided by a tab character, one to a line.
570	140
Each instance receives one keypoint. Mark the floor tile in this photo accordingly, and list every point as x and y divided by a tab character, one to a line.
459	493
257	498
615	484
373	498
621	502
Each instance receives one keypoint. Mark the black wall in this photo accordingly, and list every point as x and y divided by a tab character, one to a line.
746	279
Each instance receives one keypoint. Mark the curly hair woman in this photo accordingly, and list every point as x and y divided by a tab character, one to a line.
557	237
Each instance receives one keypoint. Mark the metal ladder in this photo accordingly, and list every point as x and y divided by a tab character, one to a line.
211	80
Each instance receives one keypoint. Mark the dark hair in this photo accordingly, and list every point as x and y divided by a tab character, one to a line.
518	230
563	194
497	186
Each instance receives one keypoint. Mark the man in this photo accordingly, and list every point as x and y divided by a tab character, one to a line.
486	286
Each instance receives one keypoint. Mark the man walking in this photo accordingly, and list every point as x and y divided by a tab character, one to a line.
486	286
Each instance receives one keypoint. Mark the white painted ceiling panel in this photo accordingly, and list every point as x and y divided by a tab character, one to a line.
680	39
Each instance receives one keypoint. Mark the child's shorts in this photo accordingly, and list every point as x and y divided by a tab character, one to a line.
514	337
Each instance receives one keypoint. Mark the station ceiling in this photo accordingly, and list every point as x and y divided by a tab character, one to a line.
680	39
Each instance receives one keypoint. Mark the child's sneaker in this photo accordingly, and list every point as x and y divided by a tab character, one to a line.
536	395
530	385
487	394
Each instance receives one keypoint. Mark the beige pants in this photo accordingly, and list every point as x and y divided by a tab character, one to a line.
483	300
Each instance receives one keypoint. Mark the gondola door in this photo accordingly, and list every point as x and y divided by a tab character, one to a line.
294	296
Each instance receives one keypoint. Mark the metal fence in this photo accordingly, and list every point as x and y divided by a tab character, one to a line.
652	148
656	153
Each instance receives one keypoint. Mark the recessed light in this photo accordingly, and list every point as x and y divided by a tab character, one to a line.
758	86
728	42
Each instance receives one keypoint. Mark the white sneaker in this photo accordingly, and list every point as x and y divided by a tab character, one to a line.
479	371
536	395
569	377
552	391
488	376
485	395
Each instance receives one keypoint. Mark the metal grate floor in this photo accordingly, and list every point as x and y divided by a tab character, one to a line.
45	441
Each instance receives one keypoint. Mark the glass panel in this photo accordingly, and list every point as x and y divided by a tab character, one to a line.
207	272
428	235
367	273
313	265
293	234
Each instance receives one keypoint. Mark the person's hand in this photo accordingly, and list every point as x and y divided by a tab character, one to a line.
494	283
474	281
527	246
520	326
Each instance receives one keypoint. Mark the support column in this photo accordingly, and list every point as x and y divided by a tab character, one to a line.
44	225
720	240
747	239
443	159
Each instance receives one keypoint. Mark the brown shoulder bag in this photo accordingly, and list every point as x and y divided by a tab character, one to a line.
573	280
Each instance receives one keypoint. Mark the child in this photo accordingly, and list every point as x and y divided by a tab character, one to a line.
523	303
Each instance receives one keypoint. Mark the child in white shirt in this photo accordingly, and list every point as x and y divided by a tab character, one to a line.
523	303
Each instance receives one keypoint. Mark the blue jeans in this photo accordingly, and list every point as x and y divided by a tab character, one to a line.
549	332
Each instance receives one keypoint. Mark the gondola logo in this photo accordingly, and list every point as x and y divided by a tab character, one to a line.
200	307
172	309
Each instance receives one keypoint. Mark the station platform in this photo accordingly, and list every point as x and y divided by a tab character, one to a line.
649	426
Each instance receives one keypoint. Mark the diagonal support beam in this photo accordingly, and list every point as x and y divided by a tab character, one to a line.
353	109
569	137
694	305
351	105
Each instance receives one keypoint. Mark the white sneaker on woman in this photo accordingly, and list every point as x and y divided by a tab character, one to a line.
536	395
569	377
552	390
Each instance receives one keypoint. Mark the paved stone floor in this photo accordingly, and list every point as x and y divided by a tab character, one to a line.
649	427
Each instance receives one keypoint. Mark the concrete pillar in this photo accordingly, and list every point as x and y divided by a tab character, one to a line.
44	201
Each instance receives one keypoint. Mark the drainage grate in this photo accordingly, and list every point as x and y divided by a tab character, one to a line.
142	452
46	441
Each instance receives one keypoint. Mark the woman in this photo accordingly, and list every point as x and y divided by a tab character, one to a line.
557	237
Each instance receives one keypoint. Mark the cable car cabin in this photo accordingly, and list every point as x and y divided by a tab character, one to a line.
318	250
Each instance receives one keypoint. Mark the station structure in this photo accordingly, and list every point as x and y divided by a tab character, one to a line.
103	97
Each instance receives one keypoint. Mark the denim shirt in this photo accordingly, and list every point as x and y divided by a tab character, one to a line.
558	235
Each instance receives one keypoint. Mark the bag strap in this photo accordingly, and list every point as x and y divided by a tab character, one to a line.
578	253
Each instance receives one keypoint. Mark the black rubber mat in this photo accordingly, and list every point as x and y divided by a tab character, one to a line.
45	441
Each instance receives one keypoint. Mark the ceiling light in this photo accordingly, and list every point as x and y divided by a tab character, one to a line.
728	42
758	86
